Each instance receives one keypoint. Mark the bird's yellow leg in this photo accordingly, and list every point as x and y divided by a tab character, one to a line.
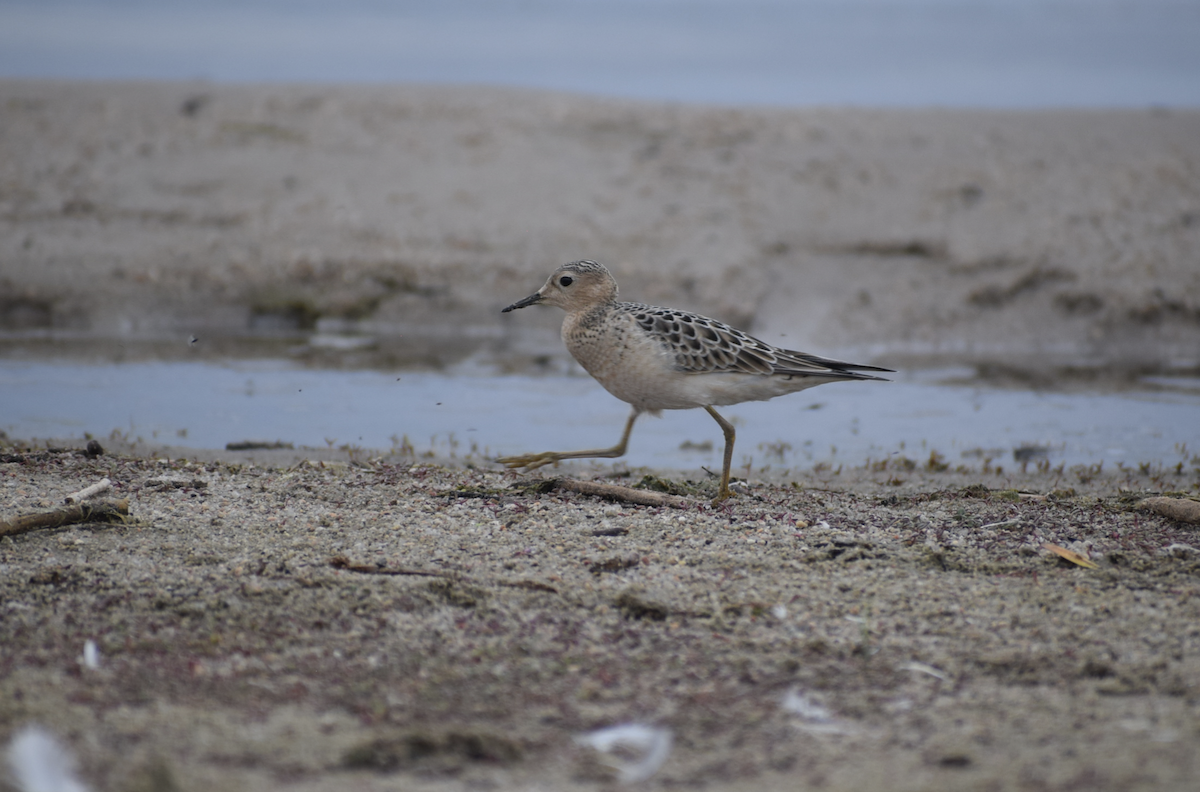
723	493
532	461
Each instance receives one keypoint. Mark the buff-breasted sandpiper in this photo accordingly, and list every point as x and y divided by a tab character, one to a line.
664	359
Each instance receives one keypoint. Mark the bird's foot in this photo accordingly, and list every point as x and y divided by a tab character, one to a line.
531	461
722	497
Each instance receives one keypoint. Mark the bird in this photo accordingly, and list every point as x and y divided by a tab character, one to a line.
658	359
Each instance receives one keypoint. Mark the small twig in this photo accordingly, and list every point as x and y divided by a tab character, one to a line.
617	492
1001	524
88	492
165	483
106	511
922	668
532	585
341	562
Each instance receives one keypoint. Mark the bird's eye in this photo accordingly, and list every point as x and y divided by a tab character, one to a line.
566	280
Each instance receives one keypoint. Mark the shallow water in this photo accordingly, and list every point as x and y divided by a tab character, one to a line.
209	404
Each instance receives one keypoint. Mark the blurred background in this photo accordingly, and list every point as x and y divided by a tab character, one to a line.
249	249
964	53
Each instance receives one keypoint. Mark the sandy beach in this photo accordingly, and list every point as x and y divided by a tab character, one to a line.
1035	243
291	619
386	623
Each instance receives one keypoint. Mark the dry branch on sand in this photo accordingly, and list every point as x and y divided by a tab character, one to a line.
88	492
105	511
1181	509
617	492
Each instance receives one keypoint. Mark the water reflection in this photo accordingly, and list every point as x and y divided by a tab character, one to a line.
208	404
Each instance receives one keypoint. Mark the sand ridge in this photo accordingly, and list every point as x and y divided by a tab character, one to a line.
1060	239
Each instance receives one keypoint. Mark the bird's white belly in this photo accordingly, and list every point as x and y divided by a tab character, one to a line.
642	372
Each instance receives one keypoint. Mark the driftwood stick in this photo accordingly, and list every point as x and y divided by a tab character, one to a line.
1181	509
617	492
88	492
341	562
105	511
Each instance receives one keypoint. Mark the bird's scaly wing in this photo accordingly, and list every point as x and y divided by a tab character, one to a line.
701	345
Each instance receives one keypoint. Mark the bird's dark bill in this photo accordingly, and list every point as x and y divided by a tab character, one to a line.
530	300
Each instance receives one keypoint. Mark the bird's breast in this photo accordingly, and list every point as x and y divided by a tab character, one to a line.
622	357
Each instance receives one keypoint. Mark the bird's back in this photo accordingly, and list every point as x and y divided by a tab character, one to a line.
662	358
